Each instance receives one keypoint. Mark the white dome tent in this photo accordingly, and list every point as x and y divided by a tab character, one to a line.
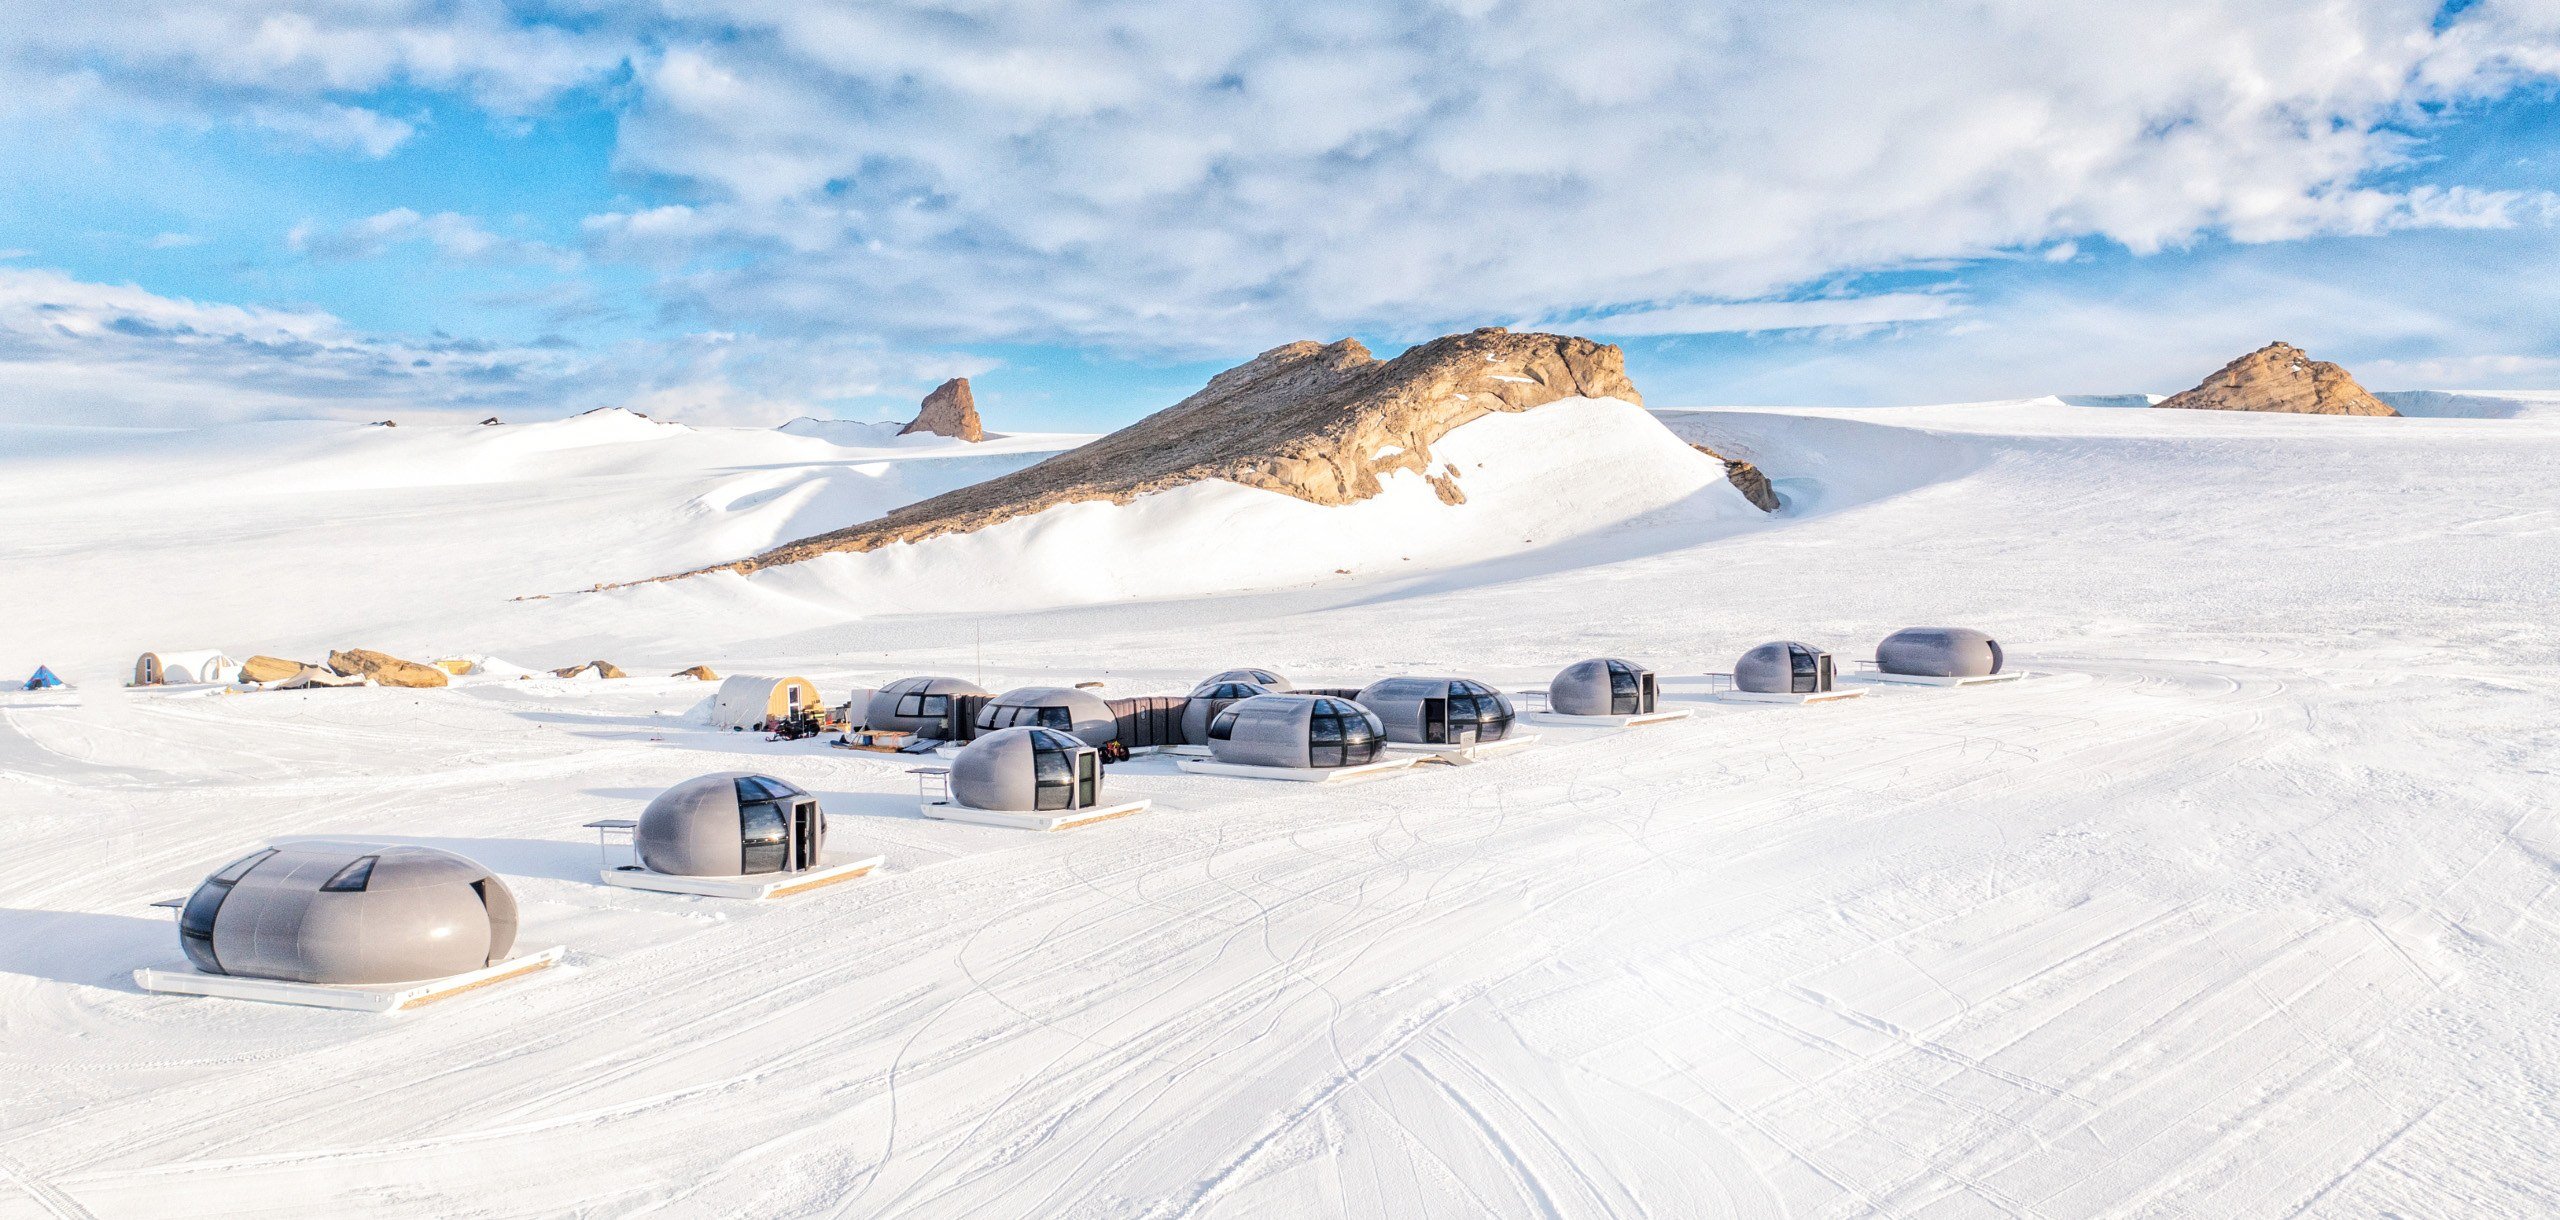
184	668
1308	739
369	927
731	834
1028	777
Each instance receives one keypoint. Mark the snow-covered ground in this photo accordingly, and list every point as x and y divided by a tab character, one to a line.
2246	909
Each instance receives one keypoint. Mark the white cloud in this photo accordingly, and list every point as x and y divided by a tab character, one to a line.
1725	317
77	352
452	234
1219	173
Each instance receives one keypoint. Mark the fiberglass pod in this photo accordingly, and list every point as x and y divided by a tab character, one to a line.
1306	738
1608	689
1263	678
733	834
1209	699
1064	708
926	707
1787	672
1026	776
1439	712
1941	656
344	913
733	824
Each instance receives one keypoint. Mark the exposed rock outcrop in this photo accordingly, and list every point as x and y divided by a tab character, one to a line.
602	669
2283	378
1321	422
951	410
384	669
1747	479
699	672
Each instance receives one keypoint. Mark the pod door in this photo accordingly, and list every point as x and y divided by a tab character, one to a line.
1648	693
1088	778
1435	721
808	834
1812	671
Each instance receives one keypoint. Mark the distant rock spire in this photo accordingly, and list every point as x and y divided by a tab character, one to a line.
949	411
2284	378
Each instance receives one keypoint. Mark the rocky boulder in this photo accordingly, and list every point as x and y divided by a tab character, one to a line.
268	669
1747	479
601	669
951	410
383	669
1319	421
2283	378
700	673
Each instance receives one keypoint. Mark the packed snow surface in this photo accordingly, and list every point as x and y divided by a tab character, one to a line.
2244	906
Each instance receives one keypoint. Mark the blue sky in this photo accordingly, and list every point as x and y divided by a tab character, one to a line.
744	210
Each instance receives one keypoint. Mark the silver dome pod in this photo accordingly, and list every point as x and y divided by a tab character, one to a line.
346	913
1207	700
922	706
1940	652
1603	686
1439	711
733	824
1263	678
1028	770
1784	668
1064	708
1302	731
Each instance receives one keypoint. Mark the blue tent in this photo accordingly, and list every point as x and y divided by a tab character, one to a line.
44	679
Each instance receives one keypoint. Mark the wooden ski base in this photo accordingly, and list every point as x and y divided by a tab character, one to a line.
1295	775
775	885
1067	820
384	998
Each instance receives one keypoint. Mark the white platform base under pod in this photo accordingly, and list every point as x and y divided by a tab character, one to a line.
1928	680
1464	754
382	998
1067	820
756	888
1297	775
1753	696
1613	722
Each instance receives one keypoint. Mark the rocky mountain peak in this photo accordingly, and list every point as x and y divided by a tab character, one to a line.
2284	378
1319	421
950	410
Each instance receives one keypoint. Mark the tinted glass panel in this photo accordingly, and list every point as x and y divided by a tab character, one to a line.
1223	727
765	835
911	705
352	878
1056	718
1054	773
936	705
1325	730
240	868
195	923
